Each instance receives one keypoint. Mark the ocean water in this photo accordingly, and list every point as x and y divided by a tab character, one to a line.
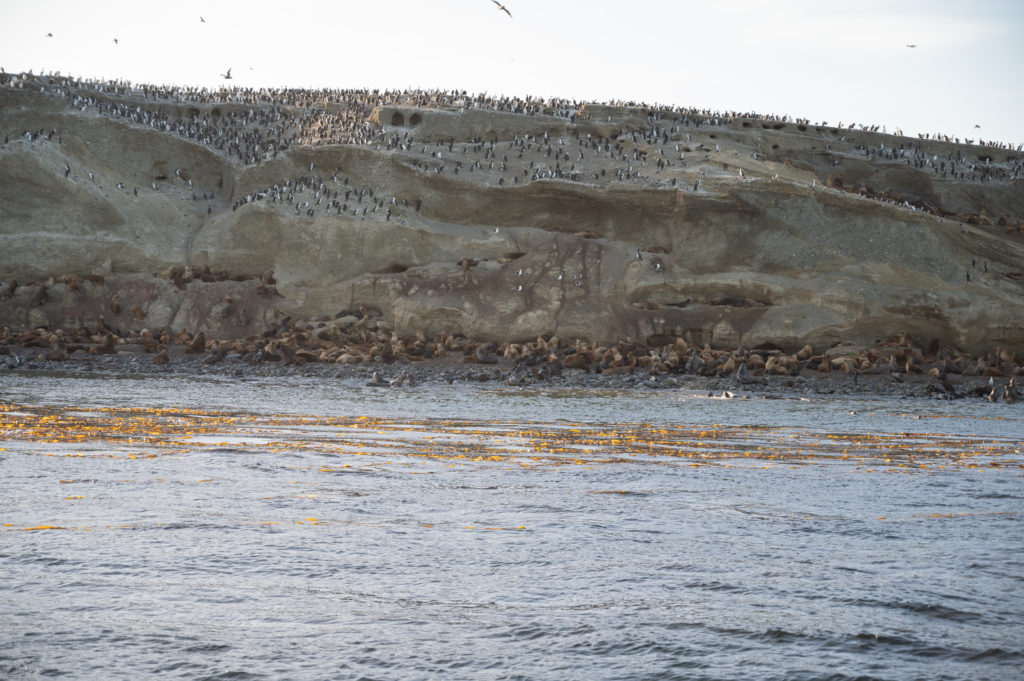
293	528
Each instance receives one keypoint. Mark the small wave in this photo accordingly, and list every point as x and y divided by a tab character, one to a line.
846	568
180	667
194	526
715	586
941	612
906	645
232	676
997	655
208	648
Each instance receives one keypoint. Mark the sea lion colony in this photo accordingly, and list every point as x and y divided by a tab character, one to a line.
362	337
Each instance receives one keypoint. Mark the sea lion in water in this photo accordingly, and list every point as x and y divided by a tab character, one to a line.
993	396
377	381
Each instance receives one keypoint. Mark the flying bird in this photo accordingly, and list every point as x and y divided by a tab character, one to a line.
202	20
502	8
115	41
910	45
49	35
227	76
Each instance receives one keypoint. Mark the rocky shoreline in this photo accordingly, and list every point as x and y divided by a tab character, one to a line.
715	373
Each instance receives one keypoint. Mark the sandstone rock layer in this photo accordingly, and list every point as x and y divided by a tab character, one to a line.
617	223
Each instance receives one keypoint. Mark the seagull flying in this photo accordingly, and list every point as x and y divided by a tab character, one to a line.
202	20
502	8
226	76
49	35
115	41
910	45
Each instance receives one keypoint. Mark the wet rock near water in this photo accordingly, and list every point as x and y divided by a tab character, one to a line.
379	358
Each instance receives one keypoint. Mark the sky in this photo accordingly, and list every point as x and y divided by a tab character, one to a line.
825	60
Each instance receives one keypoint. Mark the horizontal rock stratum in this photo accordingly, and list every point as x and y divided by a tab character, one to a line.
228	211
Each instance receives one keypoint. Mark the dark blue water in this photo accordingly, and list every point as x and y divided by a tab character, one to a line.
277	549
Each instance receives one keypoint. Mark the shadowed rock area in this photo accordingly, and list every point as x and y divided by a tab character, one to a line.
227	212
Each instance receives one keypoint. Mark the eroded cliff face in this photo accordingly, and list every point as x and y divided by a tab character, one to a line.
619	223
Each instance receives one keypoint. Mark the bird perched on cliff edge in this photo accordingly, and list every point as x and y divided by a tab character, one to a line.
502	8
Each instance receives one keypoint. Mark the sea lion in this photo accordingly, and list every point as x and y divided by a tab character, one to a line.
743	376
197	345
485	354
105	347
377	381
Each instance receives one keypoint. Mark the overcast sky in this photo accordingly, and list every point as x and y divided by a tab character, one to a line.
821	59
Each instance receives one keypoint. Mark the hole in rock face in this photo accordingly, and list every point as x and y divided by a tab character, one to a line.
660	340
802	128
215	112
397	119
394	268
514	256
775	146
192	113
712	137
746	124
415	119
778	126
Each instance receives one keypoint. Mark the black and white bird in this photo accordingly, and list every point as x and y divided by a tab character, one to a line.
226	76
502	8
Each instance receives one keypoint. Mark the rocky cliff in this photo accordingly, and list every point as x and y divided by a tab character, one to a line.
227	212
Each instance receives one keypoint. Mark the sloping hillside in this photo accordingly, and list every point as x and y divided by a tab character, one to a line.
501	220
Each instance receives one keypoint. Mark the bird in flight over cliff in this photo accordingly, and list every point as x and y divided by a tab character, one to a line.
502	8
226	76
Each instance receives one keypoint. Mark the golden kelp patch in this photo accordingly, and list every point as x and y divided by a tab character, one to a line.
139	433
